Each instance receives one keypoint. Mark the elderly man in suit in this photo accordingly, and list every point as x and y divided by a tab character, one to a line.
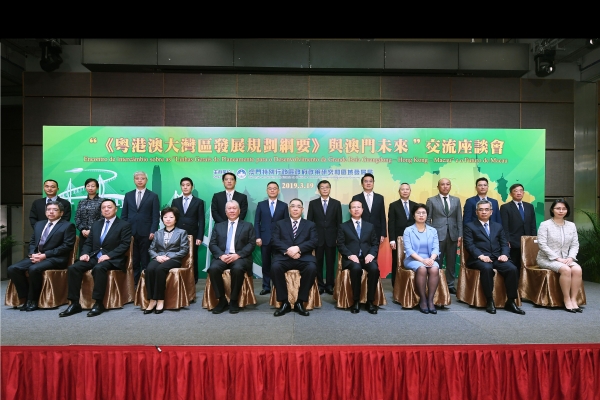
38	208
469	215
518	219
373	205
486	243
49	248
141	209
268	212
326	213
399	217
444	213
105	249
293	241
231	245
358	243
217	205
191	217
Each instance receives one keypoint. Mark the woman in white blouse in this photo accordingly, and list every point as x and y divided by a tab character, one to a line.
559	245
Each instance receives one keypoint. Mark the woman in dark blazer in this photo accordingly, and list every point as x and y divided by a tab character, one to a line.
169	246
88	210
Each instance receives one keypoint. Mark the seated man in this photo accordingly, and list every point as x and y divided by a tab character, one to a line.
358	243
231	245
106	248
293	241
487	245
49	248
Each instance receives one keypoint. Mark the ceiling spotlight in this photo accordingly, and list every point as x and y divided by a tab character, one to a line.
592	43
544	64
51	58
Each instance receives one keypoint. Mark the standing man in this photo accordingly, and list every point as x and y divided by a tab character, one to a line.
399	217
191	217
268	212
49	248
488	250
142	211
444	213
293	241
217	205
359	244
231	245
105	249
38	208
326	213
373	206
518	219
481	185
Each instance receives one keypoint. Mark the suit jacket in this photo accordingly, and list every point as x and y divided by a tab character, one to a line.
349	243
244	241
263	222
192	221
471	204
552	245
397	220
377	214
144	220
477	242
327	223
513	224
59	242
412	242
283	238
217	205
38	210
437	217
178	247
115	245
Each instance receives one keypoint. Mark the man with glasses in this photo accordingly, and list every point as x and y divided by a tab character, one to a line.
518	219
399	217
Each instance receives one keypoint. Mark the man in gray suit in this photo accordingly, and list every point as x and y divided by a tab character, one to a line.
444	213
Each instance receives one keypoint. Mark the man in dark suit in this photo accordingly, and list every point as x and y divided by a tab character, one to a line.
444	213
49	248
231	245
38	208
373	206
358	244
293	241
326	213
518	219
399	217
105	249
481	185
141	209
488	249
191	217
217	205
268	212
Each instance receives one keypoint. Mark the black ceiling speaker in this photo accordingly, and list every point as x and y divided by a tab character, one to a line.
51	58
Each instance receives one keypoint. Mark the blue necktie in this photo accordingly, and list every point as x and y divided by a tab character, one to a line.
103	236
406	209
44	236
272	208
325	206
229	237
487	229
358	232
522	211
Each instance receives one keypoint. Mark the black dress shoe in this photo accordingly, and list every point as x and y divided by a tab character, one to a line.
490	307
452	290
579	309
285	308
222	306
371	308
73	308
321	291
512	307
299	308
234	308
432	310
424	310
571	310
149	310
25	305
329	290
31	306
157	311
96	310
355	309
265	291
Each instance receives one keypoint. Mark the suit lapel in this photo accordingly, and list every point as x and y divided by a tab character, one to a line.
55	229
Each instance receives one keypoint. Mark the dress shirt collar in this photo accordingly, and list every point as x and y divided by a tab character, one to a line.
325	199
517	202
111	220
235	220
366	193
489	222
55	198
354	221
299	219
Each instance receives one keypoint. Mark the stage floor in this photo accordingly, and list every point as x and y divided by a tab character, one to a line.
256	325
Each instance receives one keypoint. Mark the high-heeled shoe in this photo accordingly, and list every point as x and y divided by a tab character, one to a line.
579	309
571	310
432	310
149	310
424	310
157	311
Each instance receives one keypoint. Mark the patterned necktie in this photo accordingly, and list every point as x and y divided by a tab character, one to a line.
522	211
446	209
139	199
487	229
185	204
272	208
103	236
295	228
325	206
44	236
228	196
229	237
406	209
358	232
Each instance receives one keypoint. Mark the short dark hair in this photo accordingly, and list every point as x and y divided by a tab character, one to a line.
274	183
298	200
56	203
323	182
51	180
186	179
111	200
350	204
416	207
365	175
229	173
88	180
482	179
174	210
515	185
563	201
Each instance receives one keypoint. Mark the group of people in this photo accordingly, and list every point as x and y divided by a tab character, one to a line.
431	234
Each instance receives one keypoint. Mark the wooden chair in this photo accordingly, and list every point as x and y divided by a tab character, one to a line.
470	291
539	285
54	286
404	286
119	286
180	290
342	290
246	296
292	280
